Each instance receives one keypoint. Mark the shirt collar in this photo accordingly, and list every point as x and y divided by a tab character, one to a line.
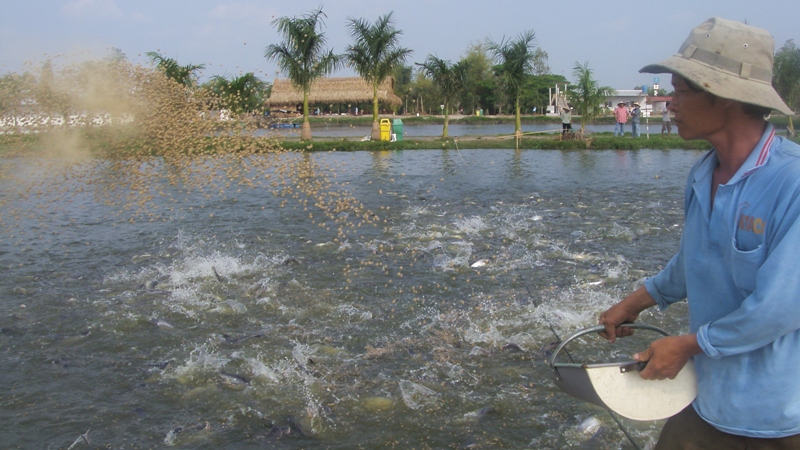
759	156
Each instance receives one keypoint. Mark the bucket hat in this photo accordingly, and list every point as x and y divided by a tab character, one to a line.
728	59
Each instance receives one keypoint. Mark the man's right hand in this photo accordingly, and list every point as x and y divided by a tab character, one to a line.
626	311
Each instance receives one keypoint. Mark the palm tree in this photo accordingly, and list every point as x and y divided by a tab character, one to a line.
374	55
16	92
184	75
786	77
245	93
586	96
301	55
449	80
515	59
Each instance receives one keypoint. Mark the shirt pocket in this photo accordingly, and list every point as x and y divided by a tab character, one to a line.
745	265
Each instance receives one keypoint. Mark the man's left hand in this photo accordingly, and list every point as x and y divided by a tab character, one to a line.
667	356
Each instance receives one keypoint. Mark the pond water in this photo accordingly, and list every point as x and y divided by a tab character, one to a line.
245	319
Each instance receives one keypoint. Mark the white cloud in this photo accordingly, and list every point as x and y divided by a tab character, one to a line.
92	9
237	12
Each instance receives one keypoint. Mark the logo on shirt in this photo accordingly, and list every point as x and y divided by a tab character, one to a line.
750	223
753	224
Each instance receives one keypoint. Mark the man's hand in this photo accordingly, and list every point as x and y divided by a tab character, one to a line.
613	319
667	356
626	311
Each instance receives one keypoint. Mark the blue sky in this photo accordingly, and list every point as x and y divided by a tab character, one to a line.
616	38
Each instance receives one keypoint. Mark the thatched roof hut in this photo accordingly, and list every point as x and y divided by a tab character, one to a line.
326	91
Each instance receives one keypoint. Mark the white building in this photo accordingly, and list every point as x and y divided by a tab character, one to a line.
627	96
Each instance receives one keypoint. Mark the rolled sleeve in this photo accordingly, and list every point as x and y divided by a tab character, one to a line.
669	285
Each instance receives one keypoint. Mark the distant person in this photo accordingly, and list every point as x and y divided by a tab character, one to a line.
736	265
621	114
566	120
666	121
635	117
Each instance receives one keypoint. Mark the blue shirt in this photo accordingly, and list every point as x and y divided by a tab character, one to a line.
738	266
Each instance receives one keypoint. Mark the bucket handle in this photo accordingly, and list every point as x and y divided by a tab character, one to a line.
598	329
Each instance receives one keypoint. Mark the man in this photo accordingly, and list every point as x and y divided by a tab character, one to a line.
621	114
666	122
737	263
635	114
566	120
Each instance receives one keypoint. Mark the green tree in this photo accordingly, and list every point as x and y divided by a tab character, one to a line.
449	81
374	55
536	91
17	92
479	82
115	56
540	65
423	93
586	95
515	60
302	56
403	84
242	94
184	75
786	74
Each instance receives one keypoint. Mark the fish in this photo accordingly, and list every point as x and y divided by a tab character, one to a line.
12	331
162	323
513	347
485	410
291	429
219	278
294	425
596	442
236	340
278	432
82	438
479	263
590	425
469	443
156	292
161	365
547	350
234	379
141	258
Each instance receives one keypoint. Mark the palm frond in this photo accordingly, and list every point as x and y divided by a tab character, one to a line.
375	51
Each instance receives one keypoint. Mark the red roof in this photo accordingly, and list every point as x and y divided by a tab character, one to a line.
662	98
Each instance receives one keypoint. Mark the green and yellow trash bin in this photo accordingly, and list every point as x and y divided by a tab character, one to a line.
397	129
386	129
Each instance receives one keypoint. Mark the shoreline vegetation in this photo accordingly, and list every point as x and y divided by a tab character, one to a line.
97	138
779	121
595	141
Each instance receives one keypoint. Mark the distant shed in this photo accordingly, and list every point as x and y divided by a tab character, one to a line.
326	91
659	103
627	96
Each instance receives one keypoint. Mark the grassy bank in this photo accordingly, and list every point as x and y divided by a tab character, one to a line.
438	120
598	142
779	121
100	142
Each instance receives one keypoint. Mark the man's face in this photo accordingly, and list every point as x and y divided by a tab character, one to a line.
698	114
